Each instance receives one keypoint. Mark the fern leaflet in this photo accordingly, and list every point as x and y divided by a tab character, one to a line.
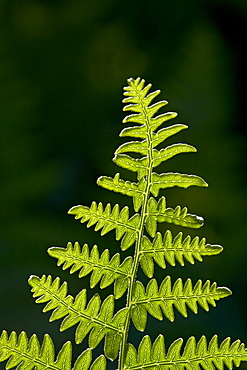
104	270
28	354
169	179
195	355
158	212
135	190
95	318
171	250
107	220
155	300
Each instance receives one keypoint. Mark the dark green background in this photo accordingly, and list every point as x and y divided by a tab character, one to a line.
63	65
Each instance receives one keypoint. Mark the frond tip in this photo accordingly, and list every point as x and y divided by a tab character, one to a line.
195	355
29	354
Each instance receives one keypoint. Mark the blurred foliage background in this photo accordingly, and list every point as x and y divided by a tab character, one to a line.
63	65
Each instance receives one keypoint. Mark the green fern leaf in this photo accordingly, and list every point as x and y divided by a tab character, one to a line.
157	300
158	212
135	190
96	319
134	146
103	269
133	164
164	133
28	354
169	179
135	131
171	250
164	154
195	356
107	220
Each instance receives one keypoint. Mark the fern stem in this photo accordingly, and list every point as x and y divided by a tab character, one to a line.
138	242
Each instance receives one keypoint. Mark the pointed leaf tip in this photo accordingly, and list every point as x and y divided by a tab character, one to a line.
131	80
224	292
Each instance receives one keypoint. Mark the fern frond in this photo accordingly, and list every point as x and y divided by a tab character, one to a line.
195	355
107	220
171	250
103	269
158	212
96	319
157	299
132	189
28	354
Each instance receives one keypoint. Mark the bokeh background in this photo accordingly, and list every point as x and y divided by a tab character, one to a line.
63	65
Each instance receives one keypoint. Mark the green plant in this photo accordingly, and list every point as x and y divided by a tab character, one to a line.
98	319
